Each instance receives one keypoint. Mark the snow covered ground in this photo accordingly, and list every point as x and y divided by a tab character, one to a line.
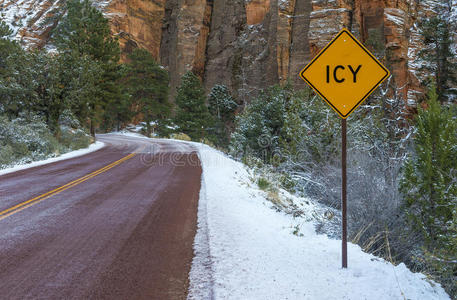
93	147
247	250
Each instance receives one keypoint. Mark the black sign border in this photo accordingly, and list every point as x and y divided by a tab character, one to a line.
344	30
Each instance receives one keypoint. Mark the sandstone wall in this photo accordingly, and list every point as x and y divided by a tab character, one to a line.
222	61
248	44
138	23
184	34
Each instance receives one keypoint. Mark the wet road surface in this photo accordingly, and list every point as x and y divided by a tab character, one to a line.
118	223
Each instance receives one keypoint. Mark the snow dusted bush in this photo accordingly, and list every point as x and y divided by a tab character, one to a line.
72	136
299	136
222	107
68	119
180	136
263	183
28	138
6	154
267	126
73	139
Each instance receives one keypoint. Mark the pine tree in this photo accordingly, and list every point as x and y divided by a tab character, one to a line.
192	115
79	84
222	107
83	32
9	52
428	184
148	84
221	103
263	126
36	82
50	102
116	103
437	54
293	131
7	47
5	30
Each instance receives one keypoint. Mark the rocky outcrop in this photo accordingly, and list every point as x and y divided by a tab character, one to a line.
137	24
184	34
249	44
30	20
300	51
256	11
223	52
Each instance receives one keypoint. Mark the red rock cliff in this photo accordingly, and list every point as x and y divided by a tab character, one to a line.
248	44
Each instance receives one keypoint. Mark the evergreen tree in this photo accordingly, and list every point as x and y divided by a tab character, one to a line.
83	32
148	84
221	103
428	183
222	107
116	102
9	51
262	127
80	83
5	30
44	85
7	47
38	83
293	132
23	83
49	101
442	261
192	115
437	54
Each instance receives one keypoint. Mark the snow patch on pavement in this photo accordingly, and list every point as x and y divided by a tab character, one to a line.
129	134
180	146
255	252
92	148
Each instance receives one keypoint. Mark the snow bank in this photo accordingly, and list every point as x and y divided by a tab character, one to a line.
93	147
246	250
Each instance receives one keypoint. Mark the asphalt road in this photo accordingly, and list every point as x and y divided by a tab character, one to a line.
118	223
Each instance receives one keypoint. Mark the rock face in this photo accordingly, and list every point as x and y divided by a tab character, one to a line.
137	23
27	19
184	34
249	44
223	53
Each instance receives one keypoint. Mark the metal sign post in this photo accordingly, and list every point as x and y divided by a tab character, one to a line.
344	74
344	233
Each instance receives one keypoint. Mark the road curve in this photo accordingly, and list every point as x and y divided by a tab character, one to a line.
106	225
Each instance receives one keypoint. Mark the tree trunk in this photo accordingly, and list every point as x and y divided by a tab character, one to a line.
92	128
148	127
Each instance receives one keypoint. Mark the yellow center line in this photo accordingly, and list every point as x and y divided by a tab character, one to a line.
21	206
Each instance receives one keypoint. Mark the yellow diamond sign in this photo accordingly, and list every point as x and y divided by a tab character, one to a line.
344	73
